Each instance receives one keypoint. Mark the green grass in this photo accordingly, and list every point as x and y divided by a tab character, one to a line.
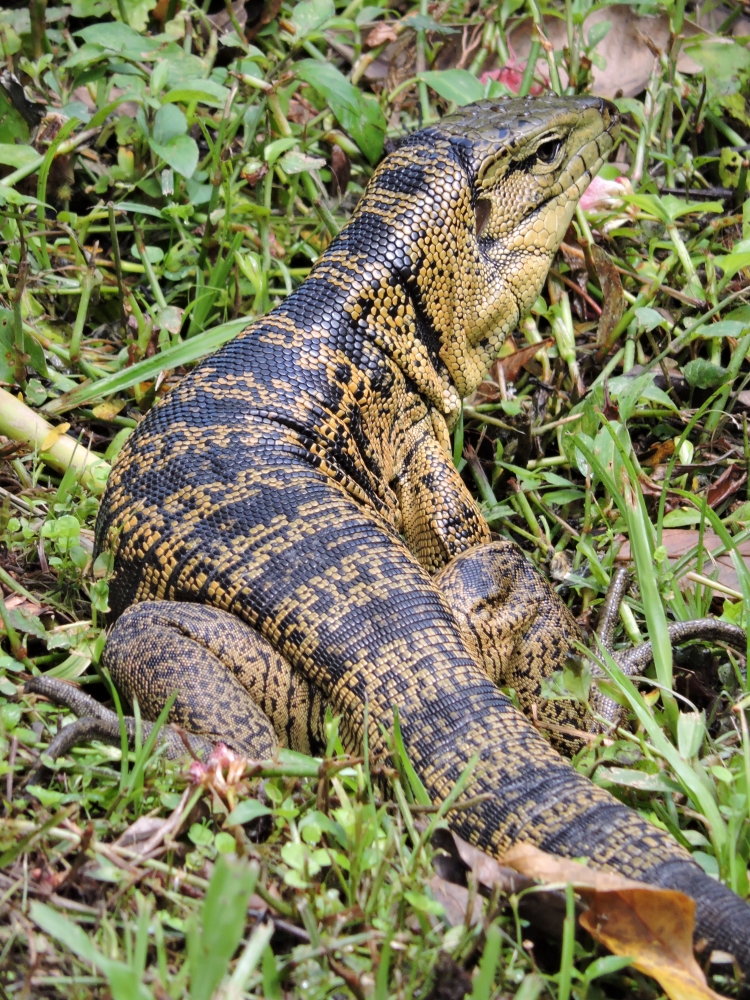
184	191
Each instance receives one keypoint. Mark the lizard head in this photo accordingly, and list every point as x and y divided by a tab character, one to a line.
526	162
455	233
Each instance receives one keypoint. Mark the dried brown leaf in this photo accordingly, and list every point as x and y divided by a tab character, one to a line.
626	56
341	169
659	454
653	927
455	901
613	304
385	31
726	485
679	541
513	363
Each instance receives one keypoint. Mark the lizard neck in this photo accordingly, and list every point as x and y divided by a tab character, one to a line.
391	274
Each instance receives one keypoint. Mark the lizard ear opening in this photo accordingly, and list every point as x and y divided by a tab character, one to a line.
482	212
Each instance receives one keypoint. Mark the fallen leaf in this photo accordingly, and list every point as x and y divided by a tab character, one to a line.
513	363
543	867
53	437
340	171
143	829
726	485
653	927
24	605
625	58
658	454
170	319
650	488
455	901
679	541
544	909
109	409
613	304
511	75
301	111
385	31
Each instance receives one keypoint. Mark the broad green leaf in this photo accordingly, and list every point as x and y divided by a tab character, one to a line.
563	496
65	931
169	122
424	904
702	374
154	255
597	33
116	36
246	811
86	55
10	715
681	518
90	8
274	149
158	78
34	353
458	85
310	15
607	964
724	328
721	58
138	11
369	14
180	153
10	41
732	263
668	209
13	127
134	206
367	127
628	391
296	162
204	91
649	319
425	22
359	114
330	83
643	781
12	155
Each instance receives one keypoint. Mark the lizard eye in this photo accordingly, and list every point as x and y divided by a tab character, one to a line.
547	152
482	213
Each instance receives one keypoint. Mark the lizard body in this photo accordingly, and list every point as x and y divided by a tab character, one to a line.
289	530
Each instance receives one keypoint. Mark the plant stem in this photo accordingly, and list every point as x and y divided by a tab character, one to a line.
87	286
421	64
21	423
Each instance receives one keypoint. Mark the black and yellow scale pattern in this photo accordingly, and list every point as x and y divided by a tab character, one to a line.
290	532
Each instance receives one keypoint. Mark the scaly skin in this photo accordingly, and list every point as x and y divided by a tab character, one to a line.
297	491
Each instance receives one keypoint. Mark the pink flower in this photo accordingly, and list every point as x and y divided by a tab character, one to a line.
602	193
511	75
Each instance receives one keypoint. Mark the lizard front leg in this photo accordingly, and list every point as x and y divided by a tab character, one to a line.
439	516
519	629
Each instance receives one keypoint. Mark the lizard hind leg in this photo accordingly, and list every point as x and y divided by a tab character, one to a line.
231	685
